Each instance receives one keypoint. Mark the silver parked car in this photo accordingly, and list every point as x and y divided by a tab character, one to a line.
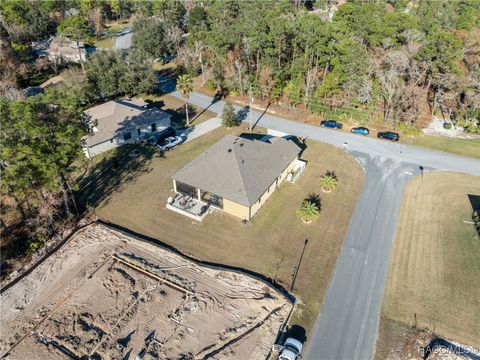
170	142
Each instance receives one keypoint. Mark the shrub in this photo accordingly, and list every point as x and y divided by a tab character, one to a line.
229	118
447	125
470	126
234	92
408	130
210	85
308	211
35	244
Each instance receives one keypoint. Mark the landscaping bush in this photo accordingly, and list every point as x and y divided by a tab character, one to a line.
447	125
210	85
470	126
308	211
329	181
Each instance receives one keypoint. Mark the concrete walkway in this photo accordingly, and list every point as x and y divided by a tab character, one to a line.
200	129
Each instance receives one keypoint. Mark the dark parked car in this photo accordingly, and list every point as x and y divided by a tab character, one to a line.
388	135
158	137
332	124
360	130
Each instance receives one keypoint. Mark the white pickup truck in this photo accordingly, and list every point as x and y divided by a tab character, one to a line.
291	350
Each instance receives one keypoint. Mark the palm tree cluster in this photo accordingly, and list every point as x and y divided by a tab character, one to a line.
309	209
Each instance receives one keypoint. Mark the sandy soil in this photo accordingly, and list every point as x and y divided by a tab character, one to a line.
106	295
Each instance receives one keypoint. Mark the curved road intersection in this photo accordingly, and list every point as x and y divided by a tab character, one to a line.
346	327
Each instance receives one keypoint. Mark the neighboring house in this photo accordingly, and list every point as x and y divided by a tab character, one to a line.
236	175
60	50
119	122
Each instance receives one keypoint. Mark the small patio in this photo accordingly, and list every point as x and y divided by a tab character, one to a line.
188	206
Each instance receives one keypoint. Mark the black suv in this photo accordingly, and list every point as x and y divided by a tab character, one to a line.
388	135
332	124
165	133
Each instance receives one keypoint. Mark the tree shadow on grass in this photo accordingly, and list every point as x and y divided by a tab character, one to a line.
122	165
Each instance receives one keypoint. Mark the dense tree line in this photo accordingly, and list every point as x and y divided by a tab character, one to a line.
40	146
395	56
394	60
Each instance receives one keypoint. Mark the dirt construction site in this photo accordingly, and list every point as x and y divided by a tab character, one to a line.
108	295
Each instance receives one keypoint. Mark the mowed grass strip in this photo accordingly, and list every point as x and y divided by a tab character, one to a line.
435	265
271	244
462	147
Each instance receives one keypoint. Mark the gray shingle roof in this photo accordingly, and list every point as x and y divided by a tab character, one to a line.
116	117
239	169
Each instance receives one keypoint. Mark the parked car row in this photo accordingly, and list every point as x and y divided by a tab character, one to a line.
388	135
166	139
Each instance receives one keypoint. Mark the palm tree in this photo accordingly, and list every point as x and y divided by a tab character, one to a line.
185	87
329	181
308	211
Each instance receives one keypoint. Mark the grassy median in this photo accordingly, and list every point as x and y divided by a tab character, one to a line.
271	244
434	276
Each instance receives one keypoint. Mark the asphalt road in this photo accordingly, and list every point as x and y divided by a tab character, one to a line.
347	325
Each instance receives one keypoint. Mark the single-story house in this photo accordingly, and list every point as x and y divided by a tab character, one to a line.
60	49
119	122
236	175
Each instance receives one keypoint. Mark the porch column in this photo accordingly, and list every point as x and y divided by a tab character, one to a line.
174	186
199	195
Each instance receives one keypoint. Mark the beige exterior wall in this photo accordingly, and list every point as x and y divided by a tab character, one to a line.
236	209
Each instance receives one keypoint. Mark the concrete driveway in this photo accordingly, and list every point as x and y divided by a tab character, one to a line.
347	325
123	40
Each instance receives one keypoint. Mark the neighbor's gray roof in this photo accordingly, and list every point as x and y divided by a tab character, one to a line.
239	169
115	117
58	45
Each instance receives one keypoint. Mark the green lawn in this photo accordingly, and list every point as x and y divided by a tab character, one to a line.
434	272
463	147
105	43
108	39
135	193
